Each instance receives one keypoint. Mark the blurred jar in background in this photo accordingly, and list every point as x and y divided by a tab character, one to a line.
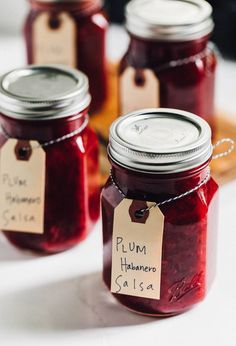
169	62
70	33
224	14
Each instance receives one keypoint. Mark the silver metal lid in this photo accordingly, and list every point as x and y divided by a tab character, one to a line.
169	20
160	140
43	92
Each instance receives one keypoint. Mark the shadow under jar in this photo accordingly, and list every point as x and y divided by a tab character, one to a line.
49	104
70	33
157	155
169	62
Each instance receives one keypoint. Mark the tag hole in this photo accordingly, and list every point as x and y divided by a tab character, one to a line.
139	79
22	153
54	22
139	214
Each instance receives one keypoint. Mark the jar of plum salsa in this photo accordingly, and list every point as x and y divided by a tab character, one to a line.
49	105
169	62
70	33
160	164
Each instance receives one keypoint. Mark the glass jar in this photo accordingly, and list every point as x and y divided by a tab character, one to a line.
169	62
49	104
157	155
70	33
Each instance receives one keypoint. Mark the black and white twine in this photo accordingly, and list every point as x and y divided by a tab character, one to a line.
53	141
189	192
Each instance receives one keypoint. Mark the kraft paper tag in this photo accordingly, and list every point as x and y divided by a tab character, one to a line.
137	250
139	89
54	43
22	187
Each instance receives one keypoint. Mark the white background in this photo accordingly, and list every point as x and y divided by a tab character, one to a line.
12	14
60	300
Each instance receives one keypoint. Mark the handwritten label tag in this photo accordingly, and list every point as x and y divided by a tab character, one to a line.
137	250
22	187
138	89
54	45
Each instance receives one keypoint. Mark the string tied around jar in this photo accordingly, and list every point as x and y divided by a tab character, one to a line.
225	153
52	141
139	213
190	59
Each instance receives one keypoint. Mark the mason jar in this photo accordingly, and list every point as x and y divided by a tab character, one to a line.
169	62
160	210
44	111
70	33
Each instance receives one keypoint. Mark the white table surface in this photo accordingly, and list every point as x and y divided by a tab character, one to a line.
61	300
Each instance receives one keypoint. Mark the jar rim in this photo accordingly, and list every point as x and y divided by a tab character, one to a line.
43	92
159	19
160	141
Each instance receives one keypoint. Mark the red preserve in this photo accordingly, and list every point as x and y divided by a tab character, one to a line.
70	33
161	156
49	104
169	62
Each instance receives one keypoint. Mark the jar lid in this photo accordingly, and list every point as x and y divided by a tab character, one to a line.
160	141
169	20
43	92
